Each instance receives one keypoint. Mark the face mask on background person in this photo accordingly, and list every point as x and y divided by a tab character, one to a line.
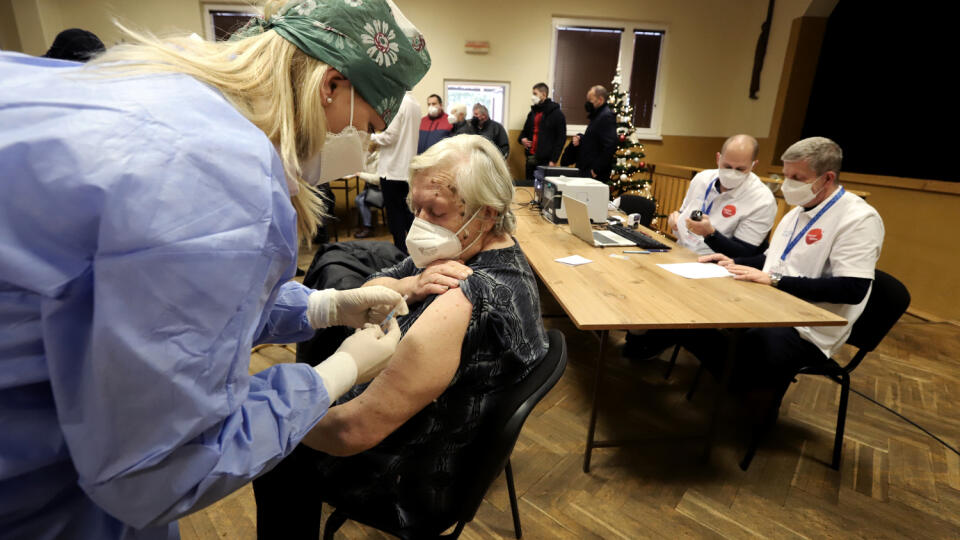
427	242
433	111
451	118
535	99
798	193
343	154
589	107
732	178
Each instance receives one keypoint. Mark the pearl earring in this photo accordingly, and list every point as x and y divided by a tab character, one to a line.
329	100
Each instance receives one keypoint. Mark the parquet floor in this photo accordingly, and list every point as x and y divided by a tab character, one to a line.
894	482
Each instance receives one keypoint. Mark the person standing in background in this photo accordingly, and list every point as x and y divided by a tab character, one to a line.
492	130
434	127
545	131
593	151
458	119
398	145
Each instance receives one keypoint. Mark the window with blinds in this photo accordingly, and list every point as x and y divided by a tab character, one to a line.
585	56
643	76
586	53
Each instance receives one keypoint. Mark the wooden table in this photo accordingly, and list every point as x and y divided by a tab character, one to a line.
615	294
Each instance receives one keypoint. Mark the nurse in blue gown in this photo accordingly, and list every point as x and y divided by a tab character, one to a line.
150	203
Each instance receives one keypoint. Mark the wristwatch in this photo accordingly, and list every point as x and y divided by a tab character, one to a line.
775	279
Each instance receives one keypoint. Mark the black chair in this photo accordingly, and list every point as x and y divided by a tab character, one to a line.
888	301
492	452
635	204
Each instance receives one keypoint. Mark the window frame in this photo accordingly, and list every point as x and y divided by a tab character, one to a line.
654	132
208	7
467	82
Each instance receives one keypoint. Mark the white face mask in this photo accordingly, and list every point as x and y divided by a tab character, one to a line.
452	119
433	111
427	242
798	193
534	99
343	154
732	178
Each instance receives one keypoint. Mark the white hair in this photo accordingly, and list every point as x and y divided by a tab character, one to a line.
481	175
458	109
820	153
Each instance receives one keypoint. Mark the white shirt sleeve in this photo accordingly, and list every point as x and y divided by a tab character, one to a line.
856	250
755	227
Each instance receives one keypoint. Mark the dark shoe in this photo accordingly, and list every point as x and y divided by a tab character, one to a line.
645	346
364	232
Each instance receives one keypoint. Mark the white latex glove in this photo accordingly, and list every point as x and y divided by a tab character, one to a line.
353	307
359	359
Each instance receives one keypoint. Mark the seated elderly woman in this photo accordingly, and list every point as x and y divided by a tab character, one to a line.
472	330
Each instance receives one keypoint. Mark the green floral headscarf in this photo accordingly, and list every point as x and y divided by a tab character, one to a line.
369	41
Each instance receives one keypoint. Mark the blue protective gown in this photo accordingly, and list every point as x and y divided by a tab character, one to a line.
146	243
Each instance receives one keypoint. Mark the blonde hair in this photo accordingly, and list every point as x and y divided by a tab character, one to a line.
269	80
481	175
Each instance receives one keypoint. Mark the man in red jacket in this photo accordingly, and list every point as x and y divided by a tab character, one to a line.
434	127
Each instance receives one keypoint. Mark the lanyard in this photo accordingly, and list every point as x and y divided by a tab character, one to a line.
703	207
795	239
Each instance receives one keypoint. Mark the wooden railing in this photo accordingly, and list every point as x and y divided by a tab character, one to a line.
670	183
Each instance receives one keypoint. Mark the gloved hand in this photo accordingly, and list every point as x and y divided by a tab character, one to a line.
370	349
359	359
353	307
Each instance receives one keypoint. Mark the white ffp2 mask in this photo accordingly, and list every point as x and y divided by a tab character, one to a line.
343	154
732	178
798	193
427	242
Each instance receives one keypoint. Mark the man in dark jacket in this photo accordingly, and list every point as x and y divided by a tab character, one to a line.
434	127
483	125
544	132
594	149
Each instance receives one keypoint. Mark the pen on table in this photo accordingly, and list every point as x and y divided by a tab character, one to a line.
636	251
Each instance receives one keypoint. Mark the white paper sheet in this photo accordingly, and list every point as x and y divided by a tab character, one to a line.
696	270
573	260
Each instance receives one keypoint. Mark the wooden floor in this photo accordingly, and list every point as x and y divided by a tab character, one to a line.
895	481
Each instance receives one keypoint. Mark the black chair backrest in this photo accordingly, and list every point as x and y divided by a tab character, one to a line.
889	299
502	428
635	204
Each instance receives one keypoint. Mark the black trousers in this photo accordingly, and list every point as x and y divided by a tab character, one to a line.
399	216
533	163
290	498
767	358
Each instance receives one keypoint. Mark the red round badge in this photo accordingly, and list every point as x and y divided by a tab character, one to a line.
729	210
814	235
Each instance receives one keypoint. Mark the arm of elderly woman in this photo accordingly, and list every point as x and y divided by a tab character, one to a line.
437	278
420	370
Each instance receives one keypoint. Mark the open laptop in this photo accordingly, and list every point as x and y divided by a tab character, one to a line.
579	221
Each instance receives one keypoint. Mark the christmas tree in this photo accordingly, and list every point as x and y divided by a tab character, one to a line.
627	175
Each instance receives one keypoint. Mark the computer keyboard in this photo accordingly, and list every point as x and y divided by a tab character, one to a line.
641	239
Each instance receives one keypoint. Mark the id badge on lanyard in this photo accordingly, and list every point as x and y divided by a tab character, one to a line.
781	264
703	206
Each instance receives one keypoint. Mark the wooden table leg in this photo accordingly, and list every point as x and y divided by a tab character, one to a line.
594	404
734	338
